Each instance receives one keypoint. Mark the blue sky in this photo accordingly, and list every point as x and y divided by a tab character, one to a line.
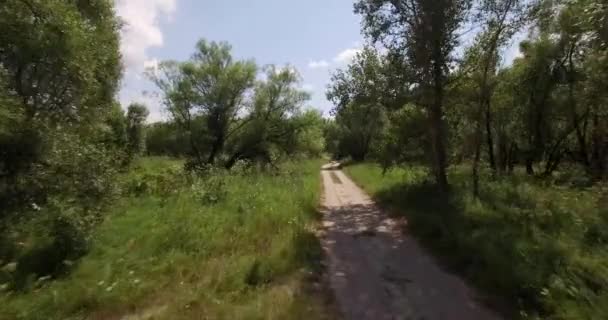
314	36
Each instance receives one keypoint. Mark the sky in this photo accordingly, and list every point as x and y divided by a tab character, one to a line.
314	36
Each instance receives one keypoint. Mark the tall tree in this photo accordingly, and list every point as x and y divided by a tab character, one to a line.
426	31
500	19
228	114
362	94
271	125
219	84
212	85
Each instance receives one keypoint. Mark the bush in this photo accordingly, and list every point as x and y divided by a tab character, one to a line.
56	203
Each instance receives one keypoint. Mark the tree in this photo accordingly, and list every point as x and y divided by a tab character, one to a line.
61	57
311	141
363	93
60	66
424	32
272	124
117	128
59	72
219	85
227	113
212	85
501	20
136	135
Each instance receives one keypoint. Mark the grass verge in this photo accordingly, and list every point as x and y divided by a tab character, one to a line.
229	246
541	246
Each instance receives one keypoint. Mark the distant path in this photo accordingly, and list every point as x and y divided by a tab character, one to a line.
376	271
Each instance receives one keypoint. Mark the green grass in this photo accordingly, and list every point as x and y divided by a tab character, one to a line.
539	246
232	246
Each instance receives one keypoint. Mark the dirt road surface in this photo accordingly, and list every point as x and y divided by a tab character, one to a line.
377	271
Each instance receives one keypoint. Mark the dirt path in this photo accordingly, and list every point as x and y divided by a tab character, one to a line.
376	271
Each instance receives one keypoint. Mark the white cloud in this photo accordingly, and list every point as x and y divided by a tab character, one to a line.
142	29
318	64
347	55
141	32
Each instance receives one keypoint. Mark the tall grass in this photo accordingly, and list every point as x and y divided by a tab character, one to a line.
228	246
540	246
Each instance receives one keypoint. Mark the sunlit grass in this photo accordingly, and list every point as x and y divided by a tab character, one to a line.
243	249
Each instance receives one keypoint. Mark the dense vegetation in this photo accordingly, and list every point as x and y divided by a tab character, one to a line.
500	166
516	150
60	132
224	115
235	245
410	95
214	231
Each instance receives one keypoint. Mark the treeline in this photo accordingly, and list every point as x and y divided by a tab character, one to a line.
65	141
433	86
225	110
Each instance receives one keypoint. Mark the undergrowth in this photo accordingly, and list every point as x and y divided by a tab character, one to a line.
540	245
236	245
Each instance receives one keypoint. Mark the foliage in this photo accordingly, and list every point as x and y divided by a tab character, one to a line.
136	134
246	255
227	114
310	140
363	94
61	57
538	244
60	132
165	138
423	34
541	111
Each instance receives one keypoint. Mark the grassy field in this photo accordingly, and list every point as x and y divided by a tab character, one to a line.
541	246
229	246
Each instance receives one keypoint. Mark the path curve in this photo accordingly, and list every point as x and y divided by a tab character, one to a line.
378	272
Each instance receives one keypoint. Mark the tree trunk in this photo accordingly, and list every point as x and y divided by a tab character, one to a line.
478	142
599	148
217	146
489	136
438	131
529	165
502	153
476	167
232	161
511	158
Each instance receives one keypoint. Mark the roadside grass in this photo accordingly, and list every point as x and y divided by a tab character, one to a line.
229	246
540	245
